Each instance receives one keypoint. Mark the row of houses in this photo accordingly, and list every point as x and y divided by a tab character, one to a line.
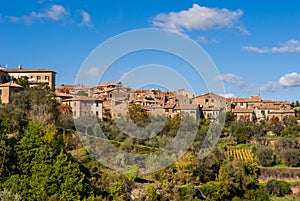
111	99
116	98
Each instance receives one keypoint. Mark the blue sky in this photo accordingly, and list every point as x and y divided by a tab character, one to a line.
254	44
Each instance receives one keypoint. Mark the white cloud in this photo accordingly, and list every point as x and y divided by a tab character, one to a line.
205	40
198	18
13	18
54	13
288	47
229	95
286	81
86	18
42	1
91	72
255	49
270	87
232	79
290	80
243	30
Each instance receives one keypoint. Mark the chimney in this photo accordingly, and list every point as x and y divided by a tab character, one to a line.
20	66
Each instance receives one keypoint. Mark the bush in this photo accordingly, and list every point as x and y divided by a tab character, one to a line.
291	157
265	156
257	195
278	188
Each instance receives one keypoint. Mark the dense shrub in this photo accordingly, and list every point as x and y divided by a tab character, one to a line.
291	157
264	155
279	188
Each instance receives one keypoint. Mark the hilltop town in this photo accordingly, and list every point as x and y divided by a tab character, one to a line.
110	100
46	130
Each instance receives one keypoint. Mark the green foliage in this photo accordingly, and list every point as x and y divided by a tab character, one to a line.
257	195
138	115
279	188
44	168
291	157
264	155
242	134
217	191
82	93
239	176
23	81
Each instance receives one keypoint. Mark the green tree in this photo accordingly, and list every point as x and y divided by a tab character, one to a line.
242	134
23	81
291	157
279	188
264	155
240	176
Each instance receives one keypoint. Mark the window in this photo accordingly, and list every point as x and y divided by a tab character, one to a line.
74	103
38	78
166	110
74	113
97	113
97	104
0	91
31	77
241	104
47	78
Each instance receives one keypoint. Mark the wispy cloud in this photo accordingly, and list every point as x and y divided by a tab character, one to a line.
290	46
231	79
286	81
199	18
91	72
270	87
255	49
86	19
42	1
54	13
205	40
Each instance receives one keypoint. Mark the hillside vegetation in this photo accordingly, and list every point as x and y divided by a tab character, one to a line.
42	157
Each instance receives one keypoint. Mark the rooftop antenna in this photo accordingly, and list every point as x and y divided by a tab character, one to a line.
20	66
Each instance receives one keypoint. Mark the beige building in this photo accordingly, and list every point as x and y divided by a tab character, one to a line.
211	113
85	106
7	90
35	76
192	110
246	113
280	114
210	100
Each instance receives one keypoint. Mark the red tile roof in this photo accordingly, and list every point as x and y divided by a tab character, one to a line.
83	98
242	110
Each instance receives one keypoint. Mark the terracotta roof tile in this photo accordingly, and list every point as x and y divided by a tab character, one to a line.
242	110
83	98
